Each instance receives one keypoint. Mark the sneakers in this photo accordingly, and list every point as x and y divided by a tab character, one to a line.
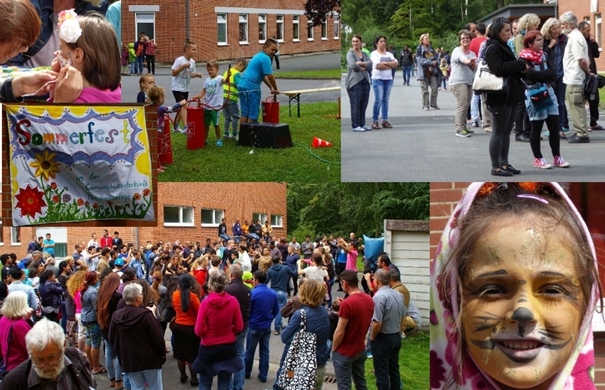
184	130
565	129
501	172
541	163
488	129
219	142
462	133
574	139
512	169
367	128
370	356
425	108
436	107
560	162
359	129
546	133
475	124
470	131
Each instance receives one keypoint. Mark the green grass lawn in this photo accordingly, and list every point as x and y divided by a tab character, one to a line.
310	74
413	363
235	163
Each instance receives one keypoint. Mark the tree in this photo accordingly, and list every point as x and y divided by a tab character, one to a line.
318	10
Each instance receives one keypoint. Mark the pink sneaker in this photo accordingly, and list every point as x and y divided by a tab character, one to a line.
541	163
560	162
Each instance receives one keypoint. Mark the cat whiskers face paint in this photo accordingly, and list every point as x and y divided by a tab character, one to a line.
521	316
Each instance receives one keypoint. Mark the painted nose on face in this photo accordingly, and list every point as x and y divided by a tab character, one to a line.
522	316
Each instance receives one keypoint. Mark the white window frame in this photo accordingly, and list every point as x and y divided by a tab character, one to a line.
181	222
324	30
217	216
15	231
261	216
221	20
243	21
295	27
336	26
262	28
138	19
279	27
598	24
310	31
278	221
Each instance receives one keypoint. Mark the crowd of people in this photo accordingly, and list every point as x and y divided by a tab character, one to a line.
113	294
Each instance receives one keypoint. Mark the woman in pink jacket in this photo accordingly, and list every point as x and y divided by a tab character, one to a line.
218	321
15	320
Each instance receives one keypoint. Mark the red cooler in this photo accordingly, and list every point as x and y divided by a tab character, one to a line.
196	133
271	110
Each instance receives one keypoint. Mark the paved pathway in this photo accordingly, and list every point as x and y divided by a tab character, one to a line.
422	146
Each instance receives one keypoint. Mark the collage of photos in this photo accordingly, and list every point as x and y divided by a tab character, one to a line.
293	195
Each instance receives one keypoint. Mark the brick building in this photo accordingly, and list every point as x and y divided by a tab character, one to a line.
589	198
227	30
186	212
589	11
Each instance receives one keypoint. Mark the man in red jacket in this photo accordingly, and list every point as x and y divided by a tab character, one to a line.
105	240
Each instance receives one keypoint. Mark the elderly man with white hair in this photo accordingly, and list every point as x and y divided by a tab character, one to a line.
55	366
138	339
576	67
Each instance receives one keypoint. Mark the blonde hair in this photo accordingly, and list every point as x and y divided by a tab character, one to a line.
550	23
15	305
75	282
212	64
312	293
99	42
528	20
422	37
156	94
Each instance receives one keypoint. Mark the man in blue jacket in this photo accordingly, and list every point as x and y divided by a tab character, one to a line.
263	309
279	276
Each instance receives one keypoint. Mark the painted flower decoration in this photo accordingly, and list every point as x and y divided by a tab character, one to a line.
137	196
45	165
146	192
80	202
30	201
66	198
69	27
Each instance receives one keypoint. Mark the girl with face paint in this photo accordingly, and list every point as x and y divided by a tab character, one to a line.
514	287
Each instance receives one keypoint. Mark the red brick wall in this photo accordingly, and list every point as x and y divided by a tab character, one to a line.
444	197
170	29
581	8
238	200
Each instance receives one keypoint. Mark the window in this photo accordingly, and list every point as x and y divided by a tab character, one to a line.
295	28
280	27
15	235
178	216
597	22
324	29
276	220
261	216
243	29
221	20
336	28
212	217
262	28
1	234
310	32
145	23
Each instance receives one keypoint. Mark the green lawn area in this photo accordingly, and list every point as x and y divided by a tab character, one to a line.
235	163
414	364
310	74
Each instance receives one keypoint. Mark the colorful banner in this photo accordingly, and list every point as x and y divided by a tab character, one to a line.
78	163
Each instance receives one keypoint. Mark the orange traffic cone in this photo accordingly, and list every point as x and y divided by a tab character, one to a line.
319	143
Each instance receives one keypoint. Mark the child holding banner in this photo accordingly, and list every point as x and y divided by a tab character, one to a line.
89	54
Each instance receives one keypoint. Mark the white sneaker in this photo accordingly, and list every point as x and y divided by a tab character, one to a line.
359	129
367	128
541	163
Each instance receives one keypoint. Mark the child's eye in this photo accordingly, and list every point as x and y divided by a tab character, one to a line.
491	290
553	290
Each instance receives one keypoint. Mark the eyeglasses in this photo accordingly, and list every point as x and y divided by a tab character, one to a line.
465	38
42	362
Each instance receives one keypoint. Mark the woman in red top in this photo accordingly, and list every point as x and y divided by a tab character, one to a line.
199	270
186	305
218	321
16	313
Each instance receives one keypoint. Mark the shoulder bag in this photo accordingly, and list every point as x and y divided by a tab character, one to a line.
300	366
487	82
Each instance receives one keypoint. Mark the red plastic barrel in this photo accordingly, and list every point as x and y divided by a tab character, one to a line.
271	110
165	149
196	133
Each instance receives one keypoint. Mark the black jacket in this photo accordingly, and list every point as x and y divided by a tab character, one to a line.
242	293
502	62
593	52
79	370
538	74
138	339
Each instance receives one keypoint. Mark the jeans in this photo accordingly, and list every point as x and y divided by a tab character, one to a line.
237	382
560	88
444	82
224	378
231	113
406	73
386	364
382	92
114	371
63	317
475	101
254	338
359	97
281	301
139	65
575	98
133	67
345	366
499	143
224	237
462	92
153	378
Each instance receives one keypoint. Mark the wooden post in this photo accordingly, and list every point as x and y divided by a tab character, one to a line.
338	114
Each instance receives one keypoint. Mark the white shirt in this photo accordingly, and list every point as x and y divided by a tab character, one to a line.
377	58
575	50
244	258
180	82
316	273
